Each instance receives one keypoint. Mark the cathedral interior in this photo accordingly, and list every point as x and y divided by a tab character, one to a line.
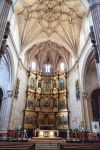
50	66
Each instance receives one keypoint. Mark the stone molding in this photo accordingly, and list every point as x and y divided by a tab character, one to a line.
85	96
10	93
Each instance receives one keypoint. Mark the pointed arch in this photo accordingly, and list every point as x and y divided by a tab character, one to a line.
1	96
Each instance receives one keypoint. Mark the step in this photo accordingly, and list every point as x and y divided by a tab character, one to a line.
46	146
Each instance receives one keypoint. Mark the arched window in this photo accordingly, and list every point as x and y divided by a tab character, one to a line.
1	96
47	68
62	66
33	65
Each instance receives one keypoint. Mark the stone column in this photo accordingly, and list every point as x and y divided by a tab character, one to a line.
88	115
86	111
4	11
2	117
94	6
95	12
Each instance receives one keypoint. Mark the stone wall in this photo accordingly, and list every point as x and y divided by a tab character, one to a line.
19	101
4	84
74	104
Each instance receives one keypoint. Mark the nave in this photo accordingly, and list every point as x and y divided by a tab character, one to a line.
49	74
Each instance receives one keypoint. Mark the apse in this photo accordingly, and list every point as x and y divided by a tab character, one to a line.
47	57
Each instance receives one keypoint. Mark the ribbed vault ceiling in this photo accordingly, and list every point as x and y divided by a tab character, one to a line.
55	20
48	50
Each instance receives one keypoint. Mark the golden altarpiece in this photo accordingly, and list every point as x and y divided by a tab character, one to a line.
46	101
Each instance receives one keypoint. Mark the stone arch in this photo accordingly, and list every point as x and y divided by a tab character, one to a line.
85	3
1	96
95	102
90	83
41	40
84	64
61	60
90	67
12	70
6	84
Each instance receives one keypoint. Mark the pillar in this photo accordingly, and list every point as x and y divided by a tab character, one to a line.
88	117
94	6
86	111
4	11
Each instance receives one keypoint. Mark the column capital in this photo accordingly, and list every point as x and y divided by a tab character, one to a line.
8	1
93	2
84	95
4	98
10	93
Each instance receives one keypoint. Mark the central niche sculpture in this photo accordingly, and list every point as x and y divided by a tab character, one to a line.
47	85
46	101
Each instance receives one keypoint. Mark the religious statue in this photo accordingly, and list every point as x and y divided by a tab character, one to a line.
65	120
62	104
54	84
26	119
46	103
55	103
30	102
39	84
77	89
32	119
17	88
38	103
32	84
61	84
